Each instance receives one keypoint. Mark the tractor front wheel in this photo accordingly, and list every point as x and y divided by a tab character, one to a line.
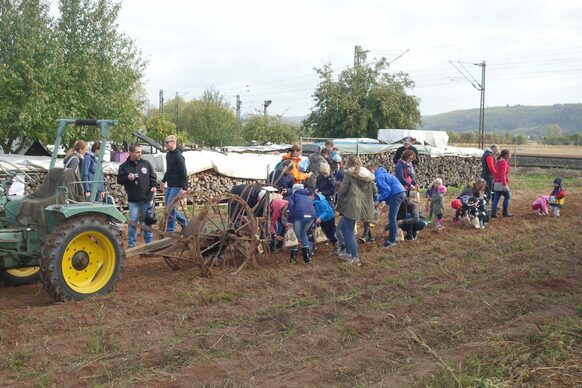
20	276
81	258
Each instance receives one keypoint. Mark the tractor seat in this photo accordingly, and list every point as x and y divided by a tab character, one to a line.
47	193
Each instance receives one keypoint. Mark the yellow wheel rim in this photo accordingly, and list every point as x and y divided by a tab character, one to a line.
88	262
23	272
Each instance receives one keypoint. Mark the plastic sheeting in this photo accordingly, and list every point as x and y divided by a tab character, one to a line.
231	164
364	149
42	163
438	139
234	165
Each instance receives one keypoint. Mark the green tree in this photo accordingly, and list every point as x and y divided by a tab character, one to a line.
272	129
211	120
362	100
27	73
175	110
100	68
519	139
469	137
454	137
159	127
554	130
75	66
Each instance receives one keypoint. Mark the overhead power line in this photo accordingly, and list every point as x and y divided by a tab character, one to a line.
480	86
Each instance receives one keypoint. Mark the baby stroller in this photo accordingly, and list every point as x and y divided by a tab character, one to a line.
470	211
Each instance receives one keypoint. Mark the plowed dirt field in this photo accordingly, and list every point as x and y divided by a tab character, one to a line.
492	307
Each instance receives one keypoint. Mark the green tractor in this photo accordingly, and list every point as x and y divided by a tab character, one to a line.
54	234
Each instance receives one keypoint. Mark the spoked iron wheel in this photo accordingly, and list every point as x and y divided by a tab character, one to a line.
226	233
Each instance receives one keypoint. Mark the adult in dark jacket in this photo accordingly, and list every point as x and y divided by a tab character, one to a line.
406	146
475	189
139	179
326	184
176	178
252	194
472	190
282	178
391	191
488	170
409	219
316	160
88	169
355	202
302	214
405	170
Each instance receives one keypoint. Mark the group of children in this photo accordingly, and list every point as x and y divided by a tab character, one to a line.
308	201
554	201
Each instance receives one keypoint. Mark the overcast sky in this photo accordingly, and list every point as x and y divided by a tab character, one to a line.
266	50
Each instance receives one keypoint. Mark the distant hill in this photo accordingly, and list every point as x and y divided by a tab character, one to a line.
530	120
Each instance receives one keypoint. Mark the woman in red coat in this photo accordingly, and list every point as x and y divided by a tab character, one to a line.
501	184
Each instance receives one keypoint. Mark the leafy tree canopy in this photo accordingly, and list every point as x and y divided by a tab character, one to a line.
159	127
77	65
273	129
362	100
209	120
27	73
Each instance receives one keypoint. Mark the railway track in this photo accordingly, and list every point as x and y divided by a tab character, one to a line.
555	161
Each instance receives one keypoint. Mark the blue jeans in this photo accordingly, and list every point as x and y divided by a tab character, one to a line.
171	193
497	197
301	228
393	206
339	234
348	226
136	212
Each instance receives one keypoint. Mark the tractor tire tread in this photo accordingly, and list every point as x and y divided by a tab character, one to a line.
49	260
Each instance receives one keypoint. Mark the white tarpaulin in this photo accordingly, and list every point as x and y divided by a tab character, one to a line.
438	139
456	151
42	163
235	165
232	164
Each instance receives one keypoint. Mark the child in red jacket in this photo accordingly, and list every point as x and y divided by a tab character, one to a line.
557	197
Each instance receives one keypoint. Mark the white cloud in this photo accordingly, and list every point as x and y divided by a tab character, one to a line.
533	49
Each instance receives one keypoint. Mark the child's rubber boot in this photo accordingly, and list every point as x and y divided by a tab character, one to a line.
293	258
306	255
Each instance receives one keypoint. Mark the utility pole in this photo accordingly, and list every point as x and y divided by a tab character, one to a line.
359	55
177	112
482	108
238	106
481	88
161	104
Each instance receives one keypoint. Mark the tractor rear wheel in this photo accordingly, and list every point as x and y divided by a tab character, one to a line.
21	276
81	258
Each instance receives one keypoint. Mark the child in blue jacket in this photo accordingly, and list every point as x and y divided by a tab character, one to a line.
302	213
326	218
